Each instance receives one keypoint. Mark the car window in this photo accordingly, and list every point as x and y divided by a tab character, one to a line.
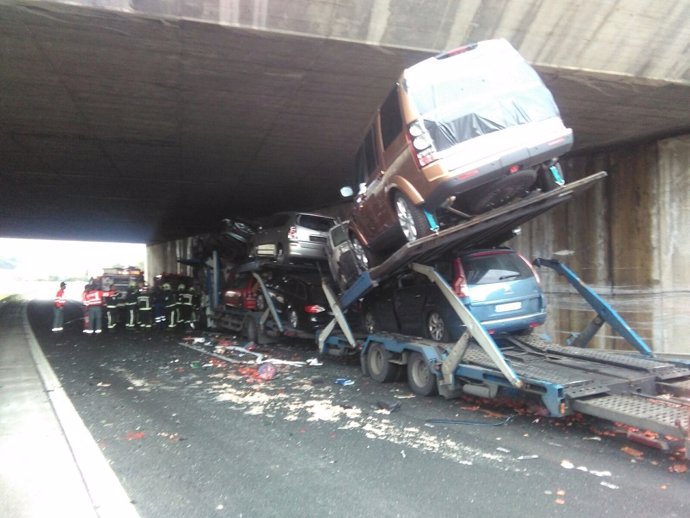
312	222
339	235
365	161
391	120
491	268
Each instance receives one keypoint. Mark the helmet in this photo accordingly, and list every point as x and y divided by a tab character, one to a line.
63	285
181	287
166	286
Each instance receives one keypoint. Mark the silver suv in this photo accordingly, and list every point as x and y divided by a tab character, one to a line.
289	236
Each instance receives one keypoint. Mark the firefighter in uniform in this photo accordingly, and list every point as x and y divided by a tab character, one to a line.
170	304
131	306
158	307
93	302
110	300
196	303
145	307
184	305
58	312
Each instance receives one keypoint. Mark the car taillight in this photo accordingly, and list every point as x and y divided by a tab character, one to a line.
421	142
314	309
460	287
292	233
531	267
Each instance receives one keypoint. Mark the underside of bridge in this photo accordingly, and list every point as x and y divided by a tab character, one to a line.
146	121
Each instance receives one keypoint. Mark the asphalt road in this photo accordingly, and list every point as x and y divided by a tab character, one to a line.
190	435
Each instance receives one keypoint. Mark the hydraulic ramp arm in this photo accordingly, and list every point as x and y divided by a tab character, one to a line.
605	313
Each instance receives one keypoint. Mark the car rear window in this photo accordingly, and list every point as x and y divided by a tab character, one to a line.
339	234
312	222
490	268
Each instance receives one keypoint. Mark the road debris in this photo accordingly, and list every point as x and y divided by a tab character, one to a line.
632	452
649	439
609	485
503	422
388	405
267	371
344	381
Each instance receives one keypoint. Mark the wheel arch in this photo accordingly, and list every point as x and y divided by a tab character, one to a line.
405	187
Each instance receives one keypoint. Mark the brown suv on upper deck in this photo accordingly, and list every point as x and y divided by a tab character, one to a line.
460	133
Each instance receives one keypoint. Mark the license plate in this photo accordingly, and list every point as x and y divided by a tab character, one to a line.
511	306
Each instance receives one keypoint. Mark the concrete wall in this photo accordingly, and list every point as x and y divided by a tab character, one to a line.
163	257
627	238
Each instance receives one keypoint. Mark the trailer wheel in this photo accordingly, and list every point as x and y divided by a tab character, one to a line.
420	379
411	219
251	330
379	366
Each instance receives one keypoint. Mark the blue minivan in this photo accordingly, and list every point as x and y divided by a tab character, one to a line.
499	286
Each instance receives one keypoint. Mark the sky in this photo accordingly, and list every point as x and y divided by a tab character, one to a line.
43	259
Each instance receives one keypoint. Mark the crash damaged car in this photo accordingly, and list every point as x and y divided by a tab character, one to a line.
461	133
288	237
499	287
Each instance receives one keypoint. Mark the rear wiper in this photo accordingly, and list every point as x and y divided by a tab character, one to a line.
511	276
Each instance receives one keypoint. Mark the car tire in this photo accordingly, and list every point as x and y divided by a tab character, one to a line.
293	318
369	322
436	327
362	255
413	223
419	378
378	364
546	179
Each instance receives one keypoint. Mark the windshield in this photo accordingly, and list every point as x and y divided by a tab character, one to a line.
313	222
482	90
492	268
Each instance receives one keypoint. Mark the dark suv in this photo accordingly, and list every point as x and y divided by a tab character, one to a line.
499	286
299	299
461	133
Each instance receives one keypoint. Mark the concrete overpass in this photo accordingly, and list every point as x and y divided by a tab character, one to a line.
149	120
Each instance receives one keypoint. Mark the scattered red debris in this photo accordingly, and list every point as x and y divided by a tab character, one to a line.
133	436
217	362
632	452
650	439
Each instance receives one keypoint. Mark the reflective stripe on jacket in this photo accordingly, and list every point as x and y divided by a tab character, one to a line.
60	298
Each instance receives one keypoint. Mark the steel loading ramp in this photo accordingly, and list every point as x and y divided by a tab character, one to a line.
489	229
619	387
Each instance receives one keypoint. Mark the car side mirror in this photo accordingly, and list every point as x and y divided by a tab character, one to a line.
346	192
